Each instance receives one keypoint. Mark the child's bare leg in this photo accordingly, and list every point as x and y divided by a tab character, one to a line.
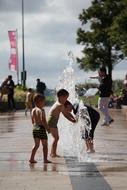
26	111
87	144
45	151
55	135
30	111
91	146
34	150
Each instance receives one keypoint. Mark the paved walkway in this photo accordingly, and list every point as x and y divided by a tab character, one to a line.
104	170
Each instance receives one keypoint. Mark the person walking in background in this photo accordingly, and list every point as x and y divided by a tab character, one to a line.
40	87
39	128
11	86
29	101
105	90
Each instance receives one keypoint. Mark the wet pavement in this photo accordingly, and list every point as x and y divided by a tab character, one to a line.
106	169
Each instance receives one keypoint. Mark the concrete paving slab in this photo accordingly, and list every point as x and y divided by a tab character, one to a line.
104	170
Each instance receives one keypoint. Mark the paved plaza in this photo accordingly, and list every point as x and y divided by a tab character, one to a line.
106	169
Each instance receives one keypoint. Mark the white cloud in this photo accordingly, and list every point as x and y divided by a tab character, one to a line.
50	32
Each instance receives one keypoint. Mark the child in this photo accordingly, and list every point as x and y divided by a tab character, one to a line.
4	88
29	101
94	117
40	127
54	114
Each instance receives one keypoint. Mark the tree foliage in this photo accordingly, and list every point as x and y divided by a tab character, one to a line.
105	42
118	31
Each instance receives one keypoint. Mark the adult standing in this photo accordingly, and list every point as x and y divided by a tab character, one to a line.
40	87
11	86
125	83
105	90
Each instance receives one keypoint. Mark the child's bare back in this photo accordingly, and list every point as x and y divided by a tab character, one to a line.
56	109
37	116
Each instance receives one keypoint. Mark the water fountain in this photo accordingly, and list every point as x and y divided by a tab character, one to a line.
67	80
70	139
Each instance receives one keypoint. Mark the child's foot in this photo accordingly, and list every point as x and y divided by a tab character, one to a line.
47	161
33	161
87	149
55	155
90	151
105	124
112	120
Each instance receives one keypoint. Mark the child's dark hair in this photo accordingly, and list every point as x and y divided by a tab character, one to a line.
38	97
68	103
9	77
62	92
30	89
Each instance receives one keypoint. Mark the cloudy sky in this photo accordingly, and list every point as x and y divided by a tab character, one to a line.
50	33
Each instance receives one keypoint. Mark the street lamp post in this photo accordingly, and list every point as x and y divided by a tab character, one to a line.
23	74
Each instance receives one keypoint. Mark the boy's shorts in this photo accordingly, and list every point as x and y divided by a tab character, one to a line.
52	122
40	133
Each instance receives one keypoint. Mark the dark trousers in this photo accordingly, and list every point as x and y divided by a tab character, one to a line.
11	102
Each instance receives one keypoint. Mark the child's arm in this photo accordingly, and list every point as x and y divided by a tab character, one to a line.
32	117
94	77
69	116
44	122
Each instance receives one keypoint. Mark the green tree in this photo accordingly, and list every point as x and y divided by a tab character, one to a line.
100	40
118	31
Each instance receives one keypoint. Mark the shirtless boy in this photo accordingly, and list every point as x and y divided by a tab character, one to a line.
39	128
53	118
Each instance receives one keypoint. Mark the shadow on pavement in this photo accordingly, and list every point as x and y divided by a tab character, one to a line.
85	176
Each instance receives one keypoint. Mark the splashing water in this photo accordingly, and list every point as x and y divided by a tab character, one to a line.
71	141
70	134
67	80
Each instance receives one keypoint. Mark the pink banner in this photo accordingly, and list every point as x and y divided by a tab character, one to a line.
13	52
12	38
13	62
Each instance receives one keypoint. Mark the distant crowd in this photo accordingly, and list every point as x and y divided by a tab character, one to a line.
8	88
116	101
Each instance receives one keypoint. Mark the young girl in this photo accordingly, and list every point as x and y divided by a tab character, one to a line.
29	101
39	128
94	118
